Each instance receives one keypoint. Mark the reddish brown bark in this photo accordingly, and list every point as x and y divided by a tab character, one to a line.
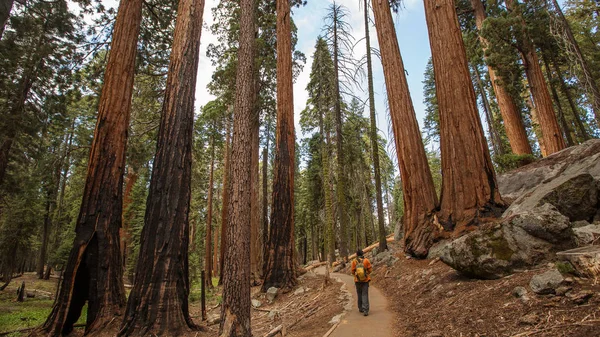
373	132
158	302
549	128
420	198
130	180
469	188
94	271
281	268
235	308
513	123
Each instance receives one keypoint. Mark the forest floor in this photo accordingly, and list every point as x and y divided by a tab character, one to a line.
308	312
430	299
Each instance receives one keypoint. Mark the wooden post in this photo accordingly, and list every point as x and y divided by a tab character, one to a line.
203	296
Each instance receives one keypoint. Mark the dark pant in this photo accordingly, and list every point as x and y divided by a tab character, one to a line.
362	292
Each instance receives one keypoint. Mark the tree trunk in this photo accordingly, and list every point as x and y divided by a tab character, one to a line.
373	130
265	201
420	198
589	80
94	271
550	129
208	241
158	302
280	269
341	179
328	193
564	126
225	200
513	123
235	309
45	235
130	181
567	93
535	124
469	188
255	239
216	251
493	134
5	8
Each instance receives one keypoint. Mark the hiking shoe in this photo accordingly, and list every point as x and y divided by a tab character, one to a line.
366	313
361	311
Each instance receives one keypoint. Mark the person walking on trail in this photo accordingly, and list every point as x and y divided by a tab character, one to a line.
361	269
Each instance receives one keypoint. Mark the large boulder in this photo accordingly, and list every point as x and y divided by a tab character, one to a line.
546	283
587	235
522	240
568	163
576	197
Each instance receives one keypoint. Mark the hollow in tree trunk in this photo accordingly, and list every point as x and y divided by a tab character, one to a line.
158	303
235	308
469	188
94	273
420	198
280	268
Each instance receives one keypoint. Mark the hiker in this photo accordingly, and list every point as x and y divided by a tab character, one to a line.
361	269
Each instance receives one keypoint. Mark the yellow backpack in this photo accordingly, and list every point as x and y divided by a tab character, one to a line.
361	272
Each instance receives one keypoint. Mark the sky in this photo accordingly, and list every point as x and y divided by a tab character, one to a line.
412	36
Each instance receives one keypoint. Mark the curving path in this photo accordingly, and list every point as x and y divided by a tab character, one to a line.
377	324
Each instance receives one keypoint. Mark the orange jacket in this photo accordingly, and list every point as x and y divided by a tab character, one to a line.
368	269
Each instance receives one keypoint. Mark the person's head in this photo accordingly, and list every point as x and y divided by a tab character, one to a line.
359	253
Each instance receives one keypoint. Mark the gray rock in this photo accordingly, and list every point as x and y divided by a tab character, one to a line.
587	234
519	292
374	252
272	293
437	249
547	282
273	314
581	223
530	319
336	319
256	303
570	162
524	239
562	291
299	291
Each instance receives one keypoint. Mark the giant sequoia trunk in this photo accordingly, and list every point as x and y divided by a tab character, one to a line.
513	123
420	198
94	271
341	178
373	134
280	268
235	308
469	189
553	140
158	302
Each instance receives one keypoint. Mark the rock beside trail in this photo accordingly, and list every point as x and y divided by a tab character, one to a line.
272	293
586	235
386	258
522	240
256	303
568	163
546	283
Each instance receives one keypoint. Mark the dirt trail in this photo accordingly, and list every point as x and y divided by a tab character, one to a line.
379	321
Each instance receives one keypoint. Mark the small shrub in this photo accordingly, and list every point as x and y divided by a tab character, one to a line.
511	161
565	267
